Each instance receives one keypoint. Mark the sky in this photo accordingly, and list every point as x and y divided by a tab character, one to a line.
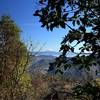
21	11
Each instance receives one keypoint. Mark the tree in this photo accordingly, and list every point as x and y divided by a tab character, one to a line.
14	60
82	17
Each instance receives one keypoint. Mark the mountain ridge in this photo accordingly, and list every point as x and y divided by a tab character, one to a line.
51	53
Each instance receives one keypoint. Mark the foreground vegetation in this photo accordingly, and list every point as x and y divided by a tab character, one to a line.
14	59
81	18
16	83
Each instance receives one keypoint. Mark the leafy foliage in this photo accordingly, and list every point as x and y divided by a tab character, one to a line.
92	92
13	61
82	17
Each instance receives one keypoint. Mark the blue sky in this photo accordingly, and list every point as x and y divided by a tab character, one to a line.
21	11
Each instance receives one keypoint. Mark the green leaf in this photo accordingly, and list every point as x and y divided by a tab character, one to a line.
73	22
62	24
78	22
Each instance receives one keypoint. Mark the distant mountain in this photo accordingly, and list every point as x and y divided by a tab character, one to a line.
41	63
52	53
46	53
